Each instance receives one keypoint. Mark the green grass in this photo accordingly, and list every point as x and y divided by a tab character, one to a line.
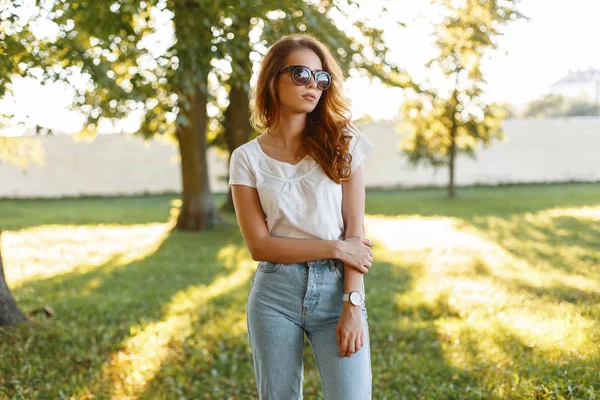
495	294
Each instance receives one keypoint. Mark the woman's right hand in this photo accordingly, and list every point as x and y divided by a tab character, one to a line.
356	252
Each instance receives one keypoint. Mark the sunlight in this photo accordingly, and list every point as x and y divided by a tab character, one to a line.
46	251
513	76
449	246
176	203
418	233
502	339
91	286
141	356
588	213
549	325
486	293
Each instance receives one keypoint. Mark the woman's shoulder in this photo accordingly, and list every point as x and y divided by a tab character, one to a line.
357	137
248	149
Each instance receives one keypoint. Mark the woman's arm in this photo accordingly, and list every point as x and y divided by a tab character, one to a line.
350	331
353	214
264	247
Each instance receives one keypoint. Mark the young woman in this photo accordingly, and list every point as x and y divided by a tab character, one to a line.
299	194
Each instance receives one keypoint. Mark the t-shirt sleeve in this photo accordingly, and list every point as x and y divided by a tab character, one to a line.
240	170
360	147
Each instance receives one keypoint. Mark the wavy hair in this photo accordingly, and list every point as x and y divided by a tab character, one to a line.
326	136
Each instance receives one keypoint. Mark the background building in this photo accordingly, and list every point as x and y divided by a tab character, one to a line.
580	85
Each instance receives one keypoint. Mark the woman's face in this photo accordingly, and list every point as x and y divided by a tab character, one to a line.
294	98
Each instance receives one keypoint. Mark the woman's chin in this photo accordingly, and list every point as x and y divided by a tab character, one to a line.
305	108
299	108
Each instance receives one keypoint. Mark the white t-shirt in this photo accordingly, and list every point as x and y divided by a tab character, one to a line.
299	201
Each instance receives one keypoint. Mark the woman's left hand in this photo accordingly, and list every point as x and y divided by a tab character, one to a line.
349	330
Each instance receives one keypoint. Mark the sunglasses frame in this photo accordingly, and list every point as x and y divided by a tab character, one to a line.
313	74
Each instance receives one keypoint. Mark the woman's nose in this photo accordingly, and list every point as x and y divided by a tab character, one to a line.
311	82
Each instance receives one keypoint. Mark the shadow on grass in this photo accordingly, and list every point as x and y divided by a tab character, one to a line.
554	242
565	243
511	368
215	360
408	358
562	242
96	311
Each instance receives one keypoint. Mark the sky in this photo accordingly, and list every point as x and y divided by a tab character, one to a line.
534	54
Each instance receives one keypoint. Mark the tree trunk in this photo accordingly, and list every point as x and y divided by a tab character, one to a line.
453	129
9	311
237	127
198	210
237	115
451	191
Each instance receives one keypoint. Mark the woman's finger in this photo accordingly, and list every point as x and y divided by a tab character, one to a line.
360	268
343	347
351	348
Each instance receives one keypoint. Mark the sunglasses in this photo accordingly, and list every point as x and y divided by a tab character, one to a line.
301	76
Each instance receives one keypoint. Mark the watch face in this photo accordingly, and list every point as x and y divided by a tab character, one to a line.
355	298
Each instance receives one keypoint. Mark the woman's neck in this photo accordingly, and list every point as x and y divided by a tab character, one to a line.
289	131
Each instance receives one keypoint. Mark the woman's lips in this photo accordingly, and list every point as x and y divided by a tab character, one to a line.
309	97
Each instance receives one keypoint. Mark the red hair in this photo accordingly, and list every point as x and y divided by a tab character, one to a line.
326	134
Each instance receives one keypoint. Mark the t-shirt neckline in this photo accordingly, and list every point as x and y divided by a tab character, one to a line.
276	160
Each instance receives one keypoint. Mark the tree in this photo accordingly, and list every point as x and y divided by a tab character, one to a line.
107	45
193	48
10	314
18	152
447	122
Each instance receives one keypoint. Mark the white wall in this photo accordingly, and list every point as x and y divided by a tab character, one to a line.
536	151
109	165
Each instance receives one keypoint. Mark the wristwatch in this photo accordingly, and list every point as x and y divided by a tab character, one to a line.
355	298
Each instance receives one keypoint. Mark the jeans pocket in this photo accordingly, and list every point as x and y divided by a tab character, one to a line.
268	267
338	267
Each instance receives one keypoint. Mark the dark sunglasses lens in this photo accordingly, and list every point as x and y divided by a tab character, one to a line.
323	80
301	75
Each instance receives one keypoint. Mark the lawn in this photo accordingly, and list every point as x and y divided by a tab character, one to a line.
495	294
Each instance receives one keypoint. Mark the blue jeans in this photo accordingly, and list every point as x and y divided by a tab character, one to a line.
288	300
